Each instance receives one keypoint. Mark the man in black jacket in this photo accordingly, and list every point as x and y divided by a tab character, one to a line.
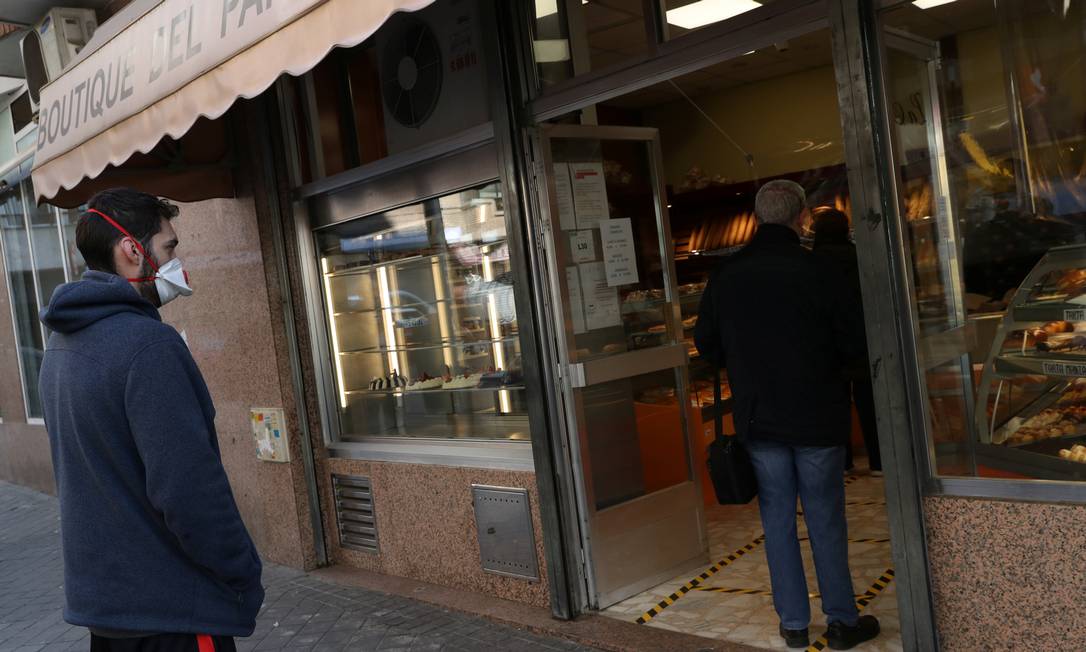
781	322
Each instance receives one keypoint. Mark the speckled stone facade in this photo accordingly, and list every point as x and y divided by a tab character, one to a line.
426	526
1007	575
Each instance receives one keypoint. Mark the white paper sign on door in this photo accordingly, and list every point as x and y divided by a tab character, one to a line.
567	216
601	305
619	253
582	246
576	303
589	193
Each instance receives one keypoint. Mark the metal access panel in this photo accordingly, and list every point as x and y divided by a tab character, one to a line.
506	537
354	512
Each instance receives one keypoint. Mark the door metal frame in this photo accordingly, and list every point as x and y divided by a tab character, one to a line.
858	66
569	376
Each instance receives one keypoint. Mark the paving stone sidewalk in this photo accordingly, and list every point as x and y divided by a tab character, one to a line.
300	612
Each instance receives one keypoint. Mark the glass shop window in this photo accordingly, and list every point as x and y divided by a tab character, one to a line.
986	103
422	321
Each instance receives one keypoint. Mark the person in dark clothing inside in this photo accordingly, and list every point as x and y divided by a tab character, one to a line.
156	556
832	243
780	320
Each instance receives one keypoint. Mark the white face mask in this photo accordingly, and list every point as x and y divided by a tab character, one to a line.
171	281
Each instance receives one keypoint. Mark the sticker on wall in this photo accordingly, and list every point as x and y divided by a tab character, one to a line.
269	426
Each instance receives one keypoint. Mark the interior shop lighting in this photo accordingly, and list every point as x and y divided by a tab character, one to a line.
335	337
495	330
928	4
385	297
705	12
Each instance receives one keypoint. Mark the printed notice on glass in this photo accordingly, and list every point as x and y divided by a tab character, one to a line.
601	306
619	255
582	246
589	193
563	191
576	303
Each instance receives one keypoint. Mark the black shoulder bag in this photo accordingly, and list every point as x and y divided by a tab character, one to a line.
729	464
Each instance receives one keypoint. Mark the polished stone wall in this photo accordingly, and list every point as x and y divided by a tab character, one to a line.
426	526
1007	575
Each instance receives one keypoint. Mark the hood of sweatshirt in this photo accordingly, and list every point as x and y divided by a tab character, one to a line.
96	296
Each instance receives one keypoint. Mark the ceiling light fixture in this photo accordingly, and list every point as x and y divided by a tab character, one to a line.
705	12
928	4
544	8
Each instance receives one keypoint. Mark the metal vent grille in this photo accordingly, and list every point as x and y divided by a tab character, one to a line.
354	512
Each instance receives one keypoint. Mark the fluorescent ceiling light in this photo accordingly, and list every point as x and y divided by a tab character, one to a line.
705	12
928	4
545	8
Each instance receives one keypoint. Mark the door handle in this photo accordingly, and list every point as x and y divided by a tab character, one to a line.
626	365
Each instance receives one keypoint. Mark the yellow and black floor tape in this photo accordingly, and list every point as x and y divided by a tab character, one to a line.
764	592
855	540
877	587
854	503
696	582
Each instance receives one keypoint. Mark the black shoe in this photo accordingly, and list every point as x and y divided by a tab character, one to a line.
795	637
841	637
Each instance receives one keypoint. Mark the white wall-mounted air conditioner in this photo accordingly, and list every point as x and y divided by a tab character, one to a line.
433	77
53	43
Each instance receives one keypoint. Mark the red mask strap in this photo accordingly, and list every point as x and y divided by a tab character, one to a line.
114	224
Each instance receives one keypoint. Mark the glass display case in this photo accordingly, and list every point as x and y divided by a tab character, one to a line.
422	321
1034	381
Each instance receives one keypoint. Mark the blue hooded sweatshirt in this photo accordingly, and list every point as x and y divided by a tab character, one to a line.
152	538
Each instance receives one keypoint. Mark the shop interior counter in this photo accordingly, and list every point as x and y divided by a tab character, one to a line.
1034	380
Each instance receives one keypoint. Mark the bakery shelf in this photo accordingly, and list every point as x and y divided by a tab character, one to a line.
1045	311
450	344
1060	366
411	260
439	390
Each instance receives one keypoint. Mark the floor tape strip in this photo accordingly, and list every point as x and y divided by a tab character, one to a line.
696	582
854	503
855	540
877	587
763	592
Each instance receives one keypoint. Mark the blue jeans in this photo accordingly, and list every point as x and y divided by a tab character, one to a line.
816	475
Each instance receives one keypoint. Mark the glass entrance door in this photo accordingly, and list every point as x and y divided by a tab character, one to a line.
622	355
933	246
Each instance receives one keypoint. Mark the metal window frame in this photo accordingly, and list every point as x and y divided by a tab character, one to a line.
16	162
312	213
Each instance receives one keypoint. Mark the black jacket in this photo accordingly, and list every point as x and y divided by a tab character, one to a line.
780	320
839	251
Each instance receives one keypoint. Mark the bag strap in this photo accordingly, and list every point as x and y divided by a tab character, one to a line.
718	412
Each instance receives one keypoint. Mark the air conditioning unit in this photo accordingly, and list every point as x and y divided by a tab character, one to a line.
53	43
433	77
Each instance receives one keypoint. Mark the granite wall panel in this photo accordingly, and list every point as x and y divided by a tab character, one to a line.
1007	575
426	526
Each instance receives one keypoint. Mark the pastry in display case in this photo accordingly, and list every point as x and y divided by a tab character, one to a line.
1031	416
422	322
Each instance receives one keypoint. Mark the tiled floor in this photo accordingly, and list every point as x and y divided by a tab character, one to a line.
750	618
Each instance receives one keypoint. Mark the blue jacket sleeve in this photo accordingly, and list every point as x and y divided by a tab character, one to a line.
171	419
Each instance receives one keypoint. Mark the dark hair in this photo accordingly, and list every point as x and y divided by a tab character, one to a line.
830	224
138	212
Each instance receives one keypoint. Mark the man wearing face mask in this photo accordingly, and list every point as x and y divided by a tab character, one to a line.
156	556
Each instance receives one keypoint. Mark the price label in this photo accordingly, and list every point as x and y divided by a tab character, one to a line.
583	246
1069	370
1078	314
